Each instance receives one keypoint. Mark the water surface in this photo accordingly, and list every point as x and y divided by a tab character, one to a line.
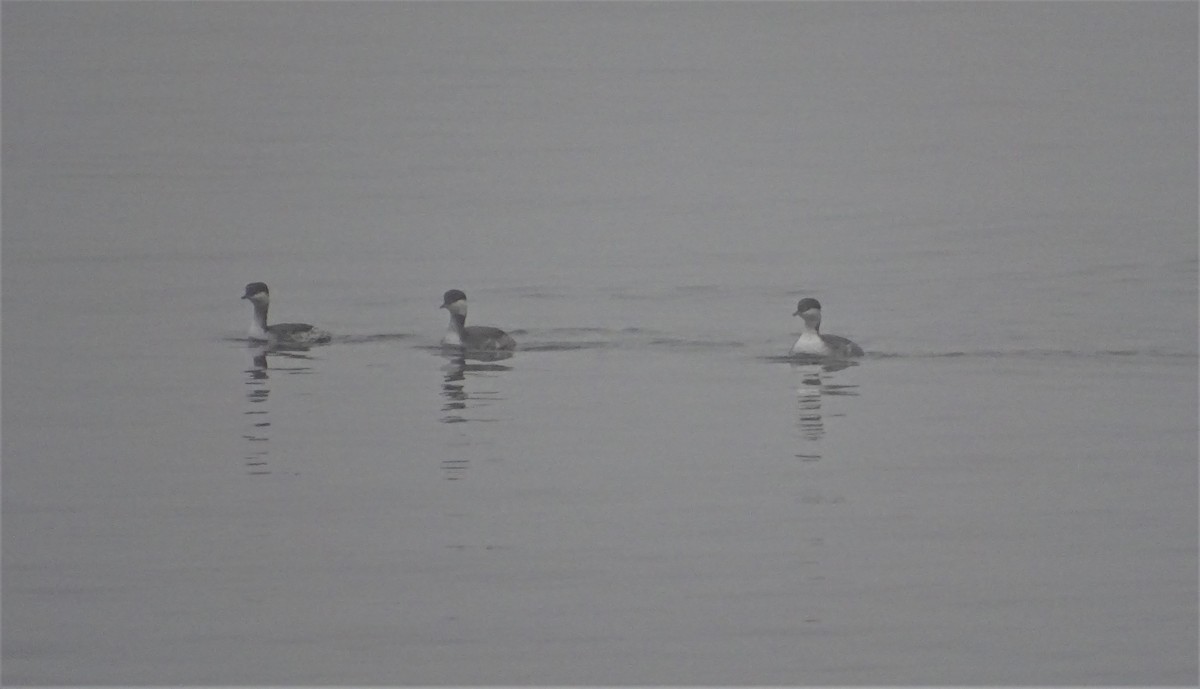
997	201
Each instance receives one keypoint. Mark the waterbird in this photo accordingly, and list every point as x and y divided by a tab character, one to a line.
812	342
471	337
301	334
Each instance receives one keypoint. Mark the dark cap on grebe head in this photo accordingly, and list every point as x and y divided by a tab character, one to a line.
807	304
452	296
255	288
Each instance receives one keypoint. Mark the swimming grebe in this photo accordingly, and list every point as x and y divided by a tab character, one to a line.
280	333
812	342
474	337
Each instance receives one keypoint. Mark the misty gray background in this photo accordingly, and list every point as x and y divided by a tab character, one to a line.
997	201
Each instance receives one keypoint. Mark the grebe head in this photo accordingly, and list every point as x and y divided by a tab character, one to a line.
455	301
810	310
806	304
257	293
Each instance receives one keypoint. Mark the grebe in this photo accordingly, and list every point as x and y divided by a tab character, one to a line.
812	342
280	333
474	337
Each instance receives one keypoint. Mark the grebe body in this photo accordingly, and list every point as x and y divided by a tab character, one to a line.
301	334
472	338
812	343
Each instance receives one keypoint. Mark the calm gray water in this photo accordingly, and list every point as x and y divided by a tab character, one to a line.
997	201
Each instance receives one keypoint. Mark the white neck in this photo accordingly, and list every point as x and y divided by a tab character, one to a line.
812	320
258	321
458	322
810	341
